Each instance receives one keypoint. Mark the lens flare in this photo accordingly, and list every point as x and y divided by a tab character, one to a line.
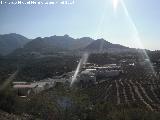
115	4
81	63
136	36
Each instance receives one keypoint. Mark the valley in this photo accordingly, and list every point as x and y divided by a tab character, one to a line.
49	79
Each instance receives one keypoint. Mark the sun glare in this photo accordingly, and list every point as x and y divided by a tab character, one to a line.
115	4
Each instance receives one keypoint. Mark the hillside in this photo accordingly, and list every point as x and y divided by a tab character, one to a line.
102	45
53	44
59	44
10	42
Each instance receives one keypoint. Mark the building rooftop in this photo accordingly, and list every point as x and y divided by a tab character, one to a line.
23	86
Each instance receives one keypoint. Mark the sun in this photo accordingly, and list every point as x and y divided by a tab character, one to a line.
115	4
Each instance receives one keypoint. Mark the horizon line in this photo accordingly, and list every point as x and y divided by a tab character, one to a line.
32	38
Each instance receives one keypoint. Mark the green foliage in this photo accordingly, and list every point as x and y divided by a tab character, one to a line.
102	58
7	100
49	105
34	69
63	103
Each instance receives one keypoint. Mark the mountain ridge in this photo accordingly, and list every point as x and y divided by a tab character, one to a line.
101	45
10	42
67	44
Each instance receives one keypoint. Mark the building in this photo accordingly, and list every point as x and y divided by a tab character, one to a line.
86	78
24	88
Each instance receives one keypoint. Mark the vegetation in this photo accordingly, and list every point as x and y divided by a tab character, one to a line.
7	99
34	69
61	103
134	95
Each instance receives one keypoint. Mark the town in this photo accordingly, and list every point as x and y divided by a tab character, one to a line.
90	74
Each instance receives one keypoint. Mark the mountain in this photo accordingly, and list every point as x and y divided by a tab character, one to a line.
69	45
53	44
38	46
10	42
63	42
82	43
102	45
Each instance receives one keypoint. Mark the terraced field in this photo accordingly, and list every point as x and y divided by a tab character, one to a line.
133	87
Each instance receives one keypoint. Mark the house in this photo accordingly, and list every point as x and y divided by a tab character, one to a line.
23	89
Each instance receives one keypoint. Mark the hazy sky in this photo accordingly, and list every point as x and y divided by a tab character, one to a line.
87	18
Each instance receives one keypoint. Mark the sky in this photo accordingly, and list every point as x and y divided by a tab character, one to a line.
130	23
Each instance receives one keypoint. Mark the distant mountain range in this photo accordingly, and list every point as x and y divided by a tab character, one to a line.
19	45
102	46
53	44
10	42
